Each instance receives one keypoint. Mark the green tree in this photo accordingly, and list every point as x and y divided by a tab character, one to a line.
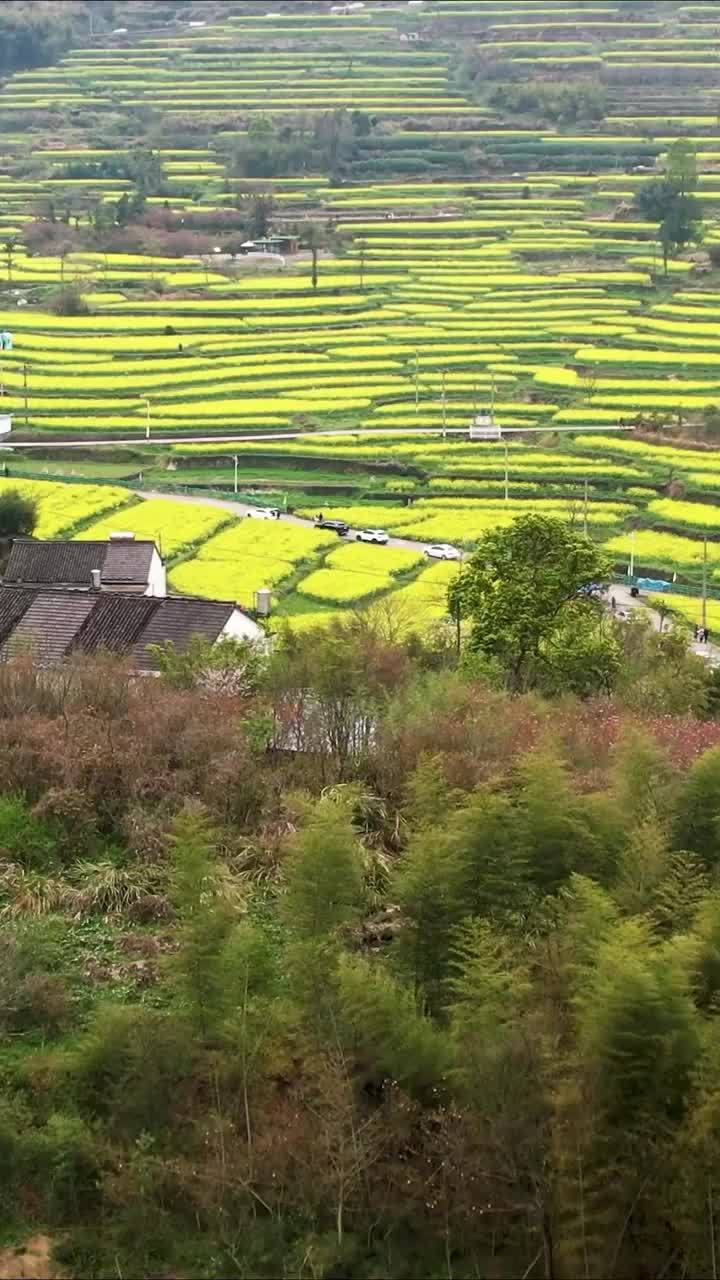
523	586
638	1032
490	990
669	200
680	892
643	781
430	886
682	225
9	247
428	794
681	166
655	198
558	825
18	515
323	873
489	836
200	970
380	1023
229	666
697	821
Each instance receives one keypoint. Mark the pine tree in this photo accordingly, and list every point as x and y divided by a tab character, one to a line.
558	838
429	797
489	993
642	866
200	971
642	780
323	873
380	1023
638	1032
678	895
431	889
489	837
697	825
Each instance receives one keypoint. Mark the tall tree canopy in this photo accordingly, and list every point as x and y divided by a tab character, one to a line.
525	587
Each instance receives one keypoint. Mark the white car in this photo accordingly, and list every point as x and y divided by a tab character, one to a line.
373	535
442	551
265	513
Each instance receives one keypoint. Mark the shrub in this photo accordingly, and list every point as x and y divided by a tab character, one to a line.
68	301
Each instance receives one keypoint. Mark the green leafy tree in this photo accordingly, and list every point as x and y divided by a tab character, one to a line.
643	781
490	989
680	892
428	794
200	969
682	225
230	666
380	1022
430	887
642	867
655	199
489	835
681	166
669	200
697	821
323	873
18	515
558	827
638	1032
523	586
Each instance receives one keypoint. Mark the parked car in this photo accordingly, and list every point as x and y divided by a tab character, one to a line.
335	526
373	535
442	551
265	513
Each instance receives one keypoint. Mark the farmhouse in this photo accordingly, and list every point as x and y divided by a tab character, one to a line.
53	624
120	564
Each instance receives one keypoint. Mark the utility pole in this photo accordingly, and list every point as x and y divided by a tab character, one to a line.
507	473
585	507
362	265
444	404
146	402
25	393
705	582
631	570
417	382
235	480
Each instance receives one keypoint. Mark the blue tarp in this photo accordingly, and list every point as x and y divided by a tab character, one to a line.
653	584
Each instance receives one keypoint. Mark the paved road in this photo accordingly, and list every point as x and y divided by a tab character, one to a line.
626	603
265	437
247	509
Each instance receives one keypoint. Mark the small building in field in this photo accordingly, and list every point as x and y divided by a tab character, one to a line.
122	563
272	244
53	624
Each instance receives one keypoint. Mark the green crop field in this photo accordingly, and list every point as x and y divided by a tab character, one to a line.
478	242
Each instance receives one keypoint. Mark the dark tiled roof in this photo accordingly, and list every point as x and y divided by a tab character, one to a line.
114	623
53	563
128	562
13	604
179	618
48	627
50	624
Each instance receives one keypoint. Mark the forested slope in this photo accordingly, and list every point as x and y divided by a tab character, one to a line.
360	967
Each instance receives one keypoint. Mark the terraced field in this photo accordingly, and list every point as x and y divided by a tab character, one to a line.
467	252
